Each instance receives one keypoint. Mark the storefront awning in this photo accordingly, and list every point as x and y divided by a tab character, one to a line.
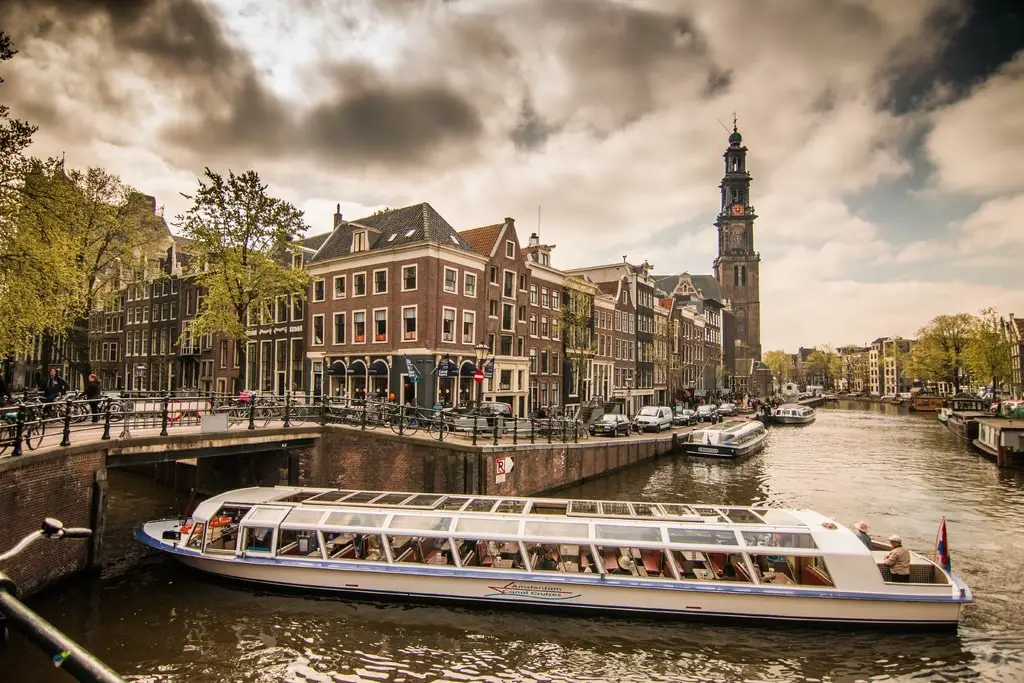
336	368
379	368
357	368
468	368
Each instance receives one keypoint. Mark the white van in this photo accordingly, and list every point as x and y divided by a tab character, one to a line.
654	417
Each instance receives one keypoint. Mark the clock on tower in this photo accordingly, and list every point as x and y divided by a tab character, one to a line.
737	210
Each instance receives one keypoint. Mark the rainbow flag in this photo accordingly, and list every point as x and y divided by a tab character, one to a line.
942	546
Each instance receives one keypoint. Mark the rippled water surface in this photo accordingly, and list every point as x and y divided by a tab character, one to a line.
154	621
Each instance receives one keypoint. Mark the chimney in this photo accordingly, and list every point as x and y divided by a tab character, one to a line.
510	222
337	216
534	240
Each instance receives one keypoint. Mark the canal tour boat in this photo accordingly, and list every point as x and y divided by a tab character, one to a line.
636	558
729	440
793	414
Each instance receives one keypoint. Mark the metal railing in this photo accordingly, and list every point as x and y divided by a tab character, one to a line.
65	652
32	424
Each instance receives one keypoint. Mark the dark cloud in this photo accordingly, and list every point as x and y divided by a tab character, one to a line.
531	131
717	83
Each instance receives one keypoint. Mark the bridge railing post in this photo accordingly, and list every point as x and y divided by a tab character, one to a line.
401	420
533	431
66	439
362	416
475	427
287	408
551	429
19	430
575	432
515	431
106	419
564	437
252	411
163	416
495	428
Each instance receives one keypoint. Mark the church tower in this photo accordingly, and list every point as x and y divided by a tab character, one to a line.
737	266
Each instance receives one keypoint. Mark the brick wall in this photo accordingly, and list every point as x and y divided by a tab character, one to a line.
48	485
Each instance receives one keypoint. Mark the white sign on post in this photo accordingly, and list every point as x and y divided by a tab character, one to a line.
502	466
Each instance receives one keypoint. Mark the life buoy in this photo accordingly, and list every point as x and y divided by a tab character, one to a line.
220	521
185	528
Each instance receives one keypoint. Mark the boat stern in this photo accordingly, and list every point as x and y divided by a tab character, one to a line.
962	592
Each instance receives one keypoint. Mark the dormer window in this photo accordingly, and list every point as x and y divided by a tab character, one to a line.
410	233
360	241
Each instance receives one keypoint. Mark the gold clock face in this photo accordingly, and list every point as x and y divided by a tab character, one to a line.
737	209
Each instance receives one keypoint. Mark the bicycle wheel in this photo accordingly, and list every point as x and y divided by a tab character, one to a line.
404	425
34	433
438	429
297	416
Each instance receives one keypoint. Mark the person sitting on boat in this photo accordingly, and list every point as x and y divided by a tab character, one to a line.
861	529
372	547
898	560
550	560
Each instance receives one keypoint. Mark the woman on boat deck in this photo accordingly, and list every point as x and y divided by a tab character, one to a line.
898	560
861	529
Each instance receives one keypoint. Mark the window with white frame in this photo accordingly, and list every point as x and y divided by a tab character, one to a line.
468	327
339	328
451	280
360	242
522	282
408	323
380	281
510	249
318	290
508	290
359	327
318	330
533	294
296	308
533	326
380	325
340	286
409	278
544	297
448	325
469	284
507	317
359	284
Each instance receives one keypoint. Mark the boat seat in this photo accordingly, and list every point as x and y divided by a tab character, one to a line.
717	562
289	549
813	576
741	572
467	560
348	550
650	561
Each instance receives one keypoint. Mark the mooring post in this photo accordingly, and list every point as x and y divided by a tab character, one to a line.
106	420
19	430
163	417
66	440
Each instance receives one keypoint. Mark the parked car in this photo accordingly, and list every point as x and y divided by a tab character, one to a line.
654	418
707	413
610	424
685	418
727	409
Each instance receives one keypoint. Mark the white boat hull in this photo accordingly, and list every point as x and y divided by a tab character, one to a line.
583	593
792	420
727	452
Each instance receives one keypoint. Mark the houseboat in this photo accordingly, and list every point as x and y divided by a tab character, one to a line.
636	558
728	440
961	415
793	414
925	403
1000	432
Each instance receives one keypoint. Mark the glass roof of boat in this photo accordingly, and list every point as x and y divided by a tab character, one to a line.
384	502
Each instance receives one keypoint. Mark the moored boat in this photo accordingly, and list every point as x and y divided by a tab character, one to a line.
793	414
995	433
637	558
728	440
925	403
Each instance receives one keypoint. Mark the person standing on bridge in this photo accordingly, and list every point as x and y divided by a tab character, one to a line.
93	392
53	386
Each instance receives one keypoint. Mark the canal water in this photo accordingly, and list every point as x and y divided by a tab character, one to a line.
153	621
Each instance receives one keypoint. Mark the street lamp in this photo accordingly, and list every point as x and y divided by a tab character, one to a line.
481	350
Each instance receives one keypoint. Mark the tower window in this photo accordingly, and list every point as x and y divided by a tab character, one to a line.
736	275
743	276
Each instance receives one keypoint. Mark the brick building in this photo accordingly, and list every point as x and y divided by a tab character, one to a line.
545	345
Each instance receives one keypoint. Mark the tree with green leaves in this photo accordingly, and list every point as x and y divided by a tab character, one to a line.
779	363
576	319
988	352
240	238
938	355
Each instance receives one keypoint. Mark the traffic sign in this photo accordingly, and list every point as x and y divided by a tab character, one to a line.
478	376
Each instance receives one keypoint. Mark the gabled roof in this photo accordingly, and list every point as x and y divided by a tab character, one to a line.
419	223
666	283
481	240
708	286
313	242
609	287
1019	323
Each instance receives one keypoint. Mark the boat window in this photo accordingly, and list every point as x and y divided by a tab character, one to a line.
676	510
424	500
778	540
583	507
710	514
789	570
393	499
702	536
196	539
645	509
512	507
564	558
343	545
364	519
621	561
258	539
453	503
557	529
650	534
304	517
298	497
549	507
698	566
478	554
266	515
487	527
362	497
480	505
222	531
299	543
330	496
420	523
615	508
420	550
778	517
743	516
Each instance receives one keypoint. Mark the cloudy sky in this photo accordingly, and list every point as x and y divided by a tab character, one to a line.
885	137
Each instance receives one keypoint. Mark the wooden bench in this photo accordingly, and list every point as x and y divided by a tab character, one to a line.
348	550
404	557
717	562
815	577
650	560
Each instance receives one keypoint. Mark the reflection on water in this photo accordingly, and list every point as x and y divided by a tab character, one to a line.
154	621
